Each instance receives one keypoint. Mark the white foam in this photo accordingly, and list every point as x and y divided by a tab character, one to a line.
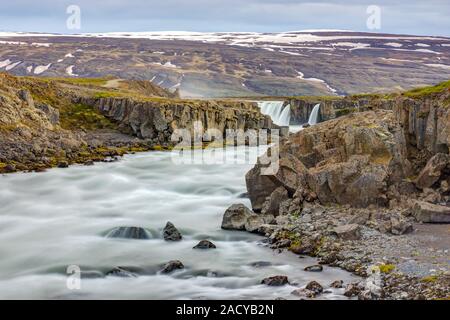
69	71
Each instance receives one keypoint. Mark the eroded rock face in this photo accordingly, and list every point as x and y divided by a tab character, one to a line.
350	160
158	120
433	170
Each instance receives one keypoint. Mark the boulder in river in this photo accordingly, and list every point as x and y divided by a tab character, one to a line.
236	216
315	287
275	281
171	233
337	284
123	272
314	268
205	244
129	233
172	266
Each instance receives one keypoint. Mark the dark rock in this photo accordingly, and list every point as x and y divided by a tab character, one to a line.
275	281
63	164
314	268
304	293
205	244
172	266
89	163
121	272
171	233
129	233
9	168
352	289
260	264
337	284
315	287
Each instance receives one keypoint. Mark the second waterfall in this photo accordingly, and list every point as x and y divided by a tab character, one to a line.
280	116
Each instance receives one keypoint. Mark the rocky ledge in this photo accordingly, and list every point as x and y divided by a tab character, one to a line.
368	192
57	122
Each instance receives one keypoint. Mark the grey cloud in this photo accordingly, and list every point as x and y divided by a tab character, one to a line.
413	17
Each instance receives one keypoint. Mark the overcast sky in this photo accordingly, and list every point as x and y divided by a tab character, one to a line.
431	17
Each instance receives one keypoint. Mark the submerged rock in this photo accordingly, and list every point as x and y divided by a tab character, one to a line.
172	266
205	244
171	233
123	272
63	164
314	268
129	233
275	281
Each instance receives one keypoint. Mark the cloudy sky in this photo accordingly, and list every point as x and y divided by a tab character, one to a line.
419	17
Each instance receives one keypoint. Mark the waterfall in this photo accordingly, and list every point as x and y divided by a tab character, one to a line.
279	115
314	116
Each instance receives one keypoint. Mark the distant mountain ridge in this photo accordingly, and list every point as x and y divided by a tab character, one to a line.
232	64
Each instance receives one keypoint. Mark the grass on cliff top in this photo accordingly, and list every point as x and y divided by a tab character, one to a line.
85	117
75	81
428	91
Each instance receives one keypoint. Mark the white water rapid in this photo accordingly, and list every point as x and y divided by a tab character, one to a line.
60	217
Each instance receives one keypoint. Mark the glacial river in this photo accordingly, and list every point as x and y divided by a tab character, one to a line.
58	218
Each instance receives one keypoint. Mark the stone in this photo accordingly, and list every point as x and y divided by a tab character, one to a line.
122	272
255	223
431	213
304	293
235	217
399	225
171	233
137	233
172	266
314	268
337	284
348	232
315	287
432	171
352	289
9	168
272	204
205	244
63	164
275	281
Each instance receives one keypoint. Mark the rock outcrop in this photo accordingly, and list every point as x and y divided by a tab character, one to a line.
157	120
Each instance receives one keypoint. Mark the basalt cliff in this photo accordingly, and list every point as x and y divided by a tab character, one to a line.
46	122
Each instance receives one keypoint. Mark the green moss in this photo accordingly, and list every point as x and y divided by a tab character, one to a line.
107	94
345	111
428	91
81	116
430	279
386	268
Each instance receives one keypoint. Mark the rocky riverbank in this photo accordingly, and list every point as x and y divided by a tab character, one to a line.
57	122
358	191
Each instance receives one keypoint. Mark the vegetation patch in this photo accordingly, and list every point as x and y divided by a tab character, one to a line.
386	268
428	91
81	116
